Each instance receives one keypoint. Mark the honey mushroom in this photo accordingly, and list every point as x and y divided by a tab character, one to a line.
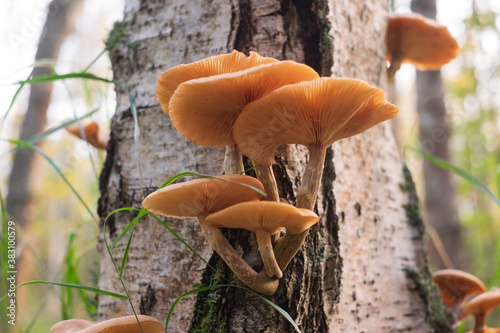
205	110
202	197
314	114
265	218
170	80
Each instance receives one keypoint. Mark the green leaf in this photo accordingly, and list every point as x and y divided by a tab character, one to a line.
58	77
198	290
77	286
25	144
445	165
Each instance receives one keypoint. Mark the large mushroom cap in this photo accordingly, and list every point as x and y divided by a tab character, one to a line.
219	64
204	110
419	41
318	112
482	304
455	285
270	216
202	196
127	324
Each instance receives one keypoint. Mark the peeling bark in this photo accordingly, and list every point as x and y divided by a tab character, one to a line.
350	274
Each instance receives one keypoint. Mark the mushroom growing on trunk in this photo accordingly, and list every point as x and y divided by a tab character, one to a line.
314	114
126	324
215	65
202	197
480	306
265	218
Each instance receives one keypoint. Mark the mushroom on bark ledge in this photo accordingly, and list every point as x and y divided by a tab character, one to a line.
205	110
265	218
314	114
419	41
220	64
202	197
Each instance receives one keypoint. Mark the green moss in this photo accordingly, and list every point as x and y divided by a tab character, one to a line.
116	34
438	317
207	314
412	208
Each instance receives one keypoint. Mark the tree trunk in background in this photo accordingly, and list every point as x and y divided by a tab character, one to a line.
59	23
440	206
363	267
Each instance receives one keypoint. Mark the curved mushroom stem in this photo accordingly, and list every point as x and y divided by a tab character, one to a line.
233	161
479	323
288	246
394	66
266	176
259	282
267	254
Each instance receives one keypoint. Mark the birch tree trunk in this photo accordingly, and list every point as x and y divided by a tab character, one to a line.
363	267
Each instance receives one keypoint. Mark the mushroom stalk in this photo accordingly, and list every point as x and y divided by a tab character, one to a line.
266	176
259	282
233	161
479	323
288	246
267	254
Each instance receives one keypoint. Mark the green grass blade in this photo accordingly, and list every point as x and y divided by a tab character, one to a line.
14	98
142	212
198	290
36	138
25	144
445	165
180	239
59	77
77	286
127	250
108	248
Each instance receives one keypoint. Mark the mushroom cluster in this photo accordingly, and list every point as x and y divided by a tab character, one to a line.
455	286
252	105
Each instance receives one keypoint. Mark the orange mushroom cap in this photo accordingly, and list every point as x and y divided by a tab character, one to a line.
455	285
202	196
126	324
420	41
318	112
204	110
482	304
219	64
71	326
92	134
270	216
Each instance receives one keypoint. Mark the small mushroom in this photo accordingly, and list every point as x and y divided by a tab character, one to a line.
215	65
202	197
265	218
90	132
480	306
454	285
126	324
420	41
205	110
314	114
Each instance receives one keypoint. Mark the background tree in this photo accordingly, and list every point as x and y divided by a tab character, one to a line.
363	266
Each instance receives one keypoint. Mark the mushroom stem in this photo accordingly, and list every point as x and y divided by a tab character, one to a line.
267	254
479	322
288	246
259	282
233	161
394	66
266	176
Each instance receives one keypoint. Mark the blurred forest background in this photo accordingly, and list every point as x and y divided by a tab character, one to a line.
57	234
